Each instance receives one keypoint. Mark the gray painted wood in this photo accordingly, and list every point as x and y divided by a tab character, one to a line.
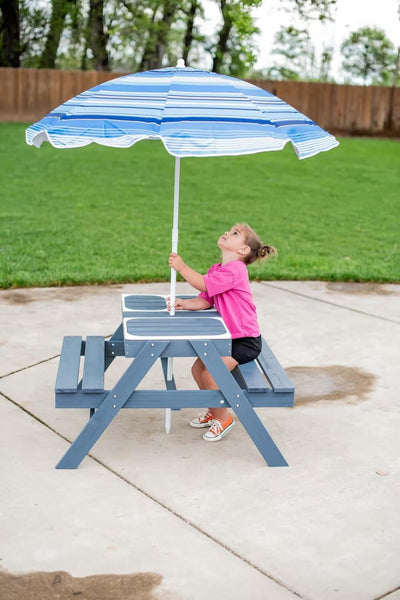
145	302
181	314
110	406
248	388
175	328
93	367
177	348
175	399
250	377
169	383
273	370
68	366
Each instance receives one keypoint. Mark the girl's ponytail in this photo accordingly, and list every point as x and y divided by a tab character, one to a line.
266	251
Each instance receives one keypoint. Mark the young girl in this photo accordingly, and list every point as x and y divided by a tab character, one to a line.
226	286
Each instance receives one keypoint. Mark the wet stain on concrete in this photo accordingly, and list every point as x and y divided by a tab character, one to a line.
359	289
72	294
67	294
334	382
61	585
14	297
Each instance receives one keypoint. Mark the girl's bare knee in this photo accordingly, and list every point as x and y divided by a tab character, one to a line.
230	362
197	371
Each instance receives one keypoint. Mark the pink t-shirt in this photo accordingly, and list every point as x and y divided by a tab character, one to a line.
228	289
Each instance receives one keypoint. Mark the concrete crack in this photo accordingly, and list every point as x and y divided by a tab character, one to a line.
388	594
29	366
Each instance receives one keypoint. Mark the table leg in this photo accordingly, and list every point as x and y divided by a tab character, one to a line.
169	379
111	405
239	403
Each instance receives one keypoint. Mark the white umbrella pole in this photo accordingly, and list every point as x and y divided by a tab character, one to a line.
172	293
175	233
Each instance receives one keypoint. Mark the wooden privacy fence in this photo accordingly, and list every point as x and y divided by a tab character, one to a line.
26	95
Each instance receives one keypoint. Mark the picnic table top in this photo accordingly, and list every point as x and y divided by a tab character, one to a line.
146	317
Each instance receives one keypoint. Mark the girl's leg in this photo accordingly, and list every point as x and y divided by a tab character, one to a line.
198	369
204	418
206	382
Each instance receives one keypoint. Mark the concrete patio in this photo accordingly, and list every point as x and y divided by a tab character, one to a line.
212	520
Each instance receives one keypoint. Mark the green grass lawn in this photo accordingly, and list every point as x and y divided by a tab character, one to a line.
101	215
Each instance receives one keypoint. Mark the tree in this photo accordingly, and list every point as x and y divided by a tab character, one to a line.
22	33
59	11
10	49
325	63
128	30
98	37
298	57
369	56
133	35
234	51
157	39
189	37
295	48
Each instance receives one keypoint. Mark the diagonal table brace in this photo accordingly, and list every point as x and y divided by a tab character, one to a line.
111	404
237	400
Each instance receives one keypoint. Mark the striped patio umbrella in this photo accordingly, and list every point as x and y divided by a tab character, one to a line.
194	113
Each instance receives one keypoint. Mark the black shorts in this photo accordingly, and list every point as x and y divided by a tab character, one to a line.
246	349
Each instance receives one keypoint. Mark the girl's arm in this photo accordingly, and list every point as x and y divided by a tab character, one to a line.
195	279
190	304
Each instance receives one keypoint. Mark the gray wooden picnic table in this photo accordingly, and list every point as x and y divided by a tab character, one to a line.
148	333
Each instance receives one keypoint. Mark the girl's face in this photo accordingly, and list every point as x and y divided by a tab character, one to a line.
233	240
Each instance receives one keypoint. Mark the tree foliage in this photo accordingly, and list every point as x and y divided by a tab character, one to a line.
297	57
233	51
369	56
59	11
313	9
294	47
136	35
124	34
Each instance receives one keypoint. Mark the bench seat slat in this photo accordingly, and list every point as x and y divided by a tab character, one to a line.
250	378
68	367
262	374
93	368
273	371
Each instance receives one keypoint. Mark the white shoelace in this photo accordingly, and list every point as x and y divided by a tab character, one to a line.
216	427
204	415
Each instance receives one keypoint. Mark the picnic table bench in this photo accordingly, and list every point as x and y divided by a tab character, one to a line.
148	333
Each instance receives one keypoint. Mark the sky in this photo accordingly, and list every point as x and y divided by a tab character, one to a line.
350	15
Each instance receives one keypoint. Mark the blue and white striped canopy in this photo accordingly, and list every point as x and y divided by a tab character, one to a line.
194	113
